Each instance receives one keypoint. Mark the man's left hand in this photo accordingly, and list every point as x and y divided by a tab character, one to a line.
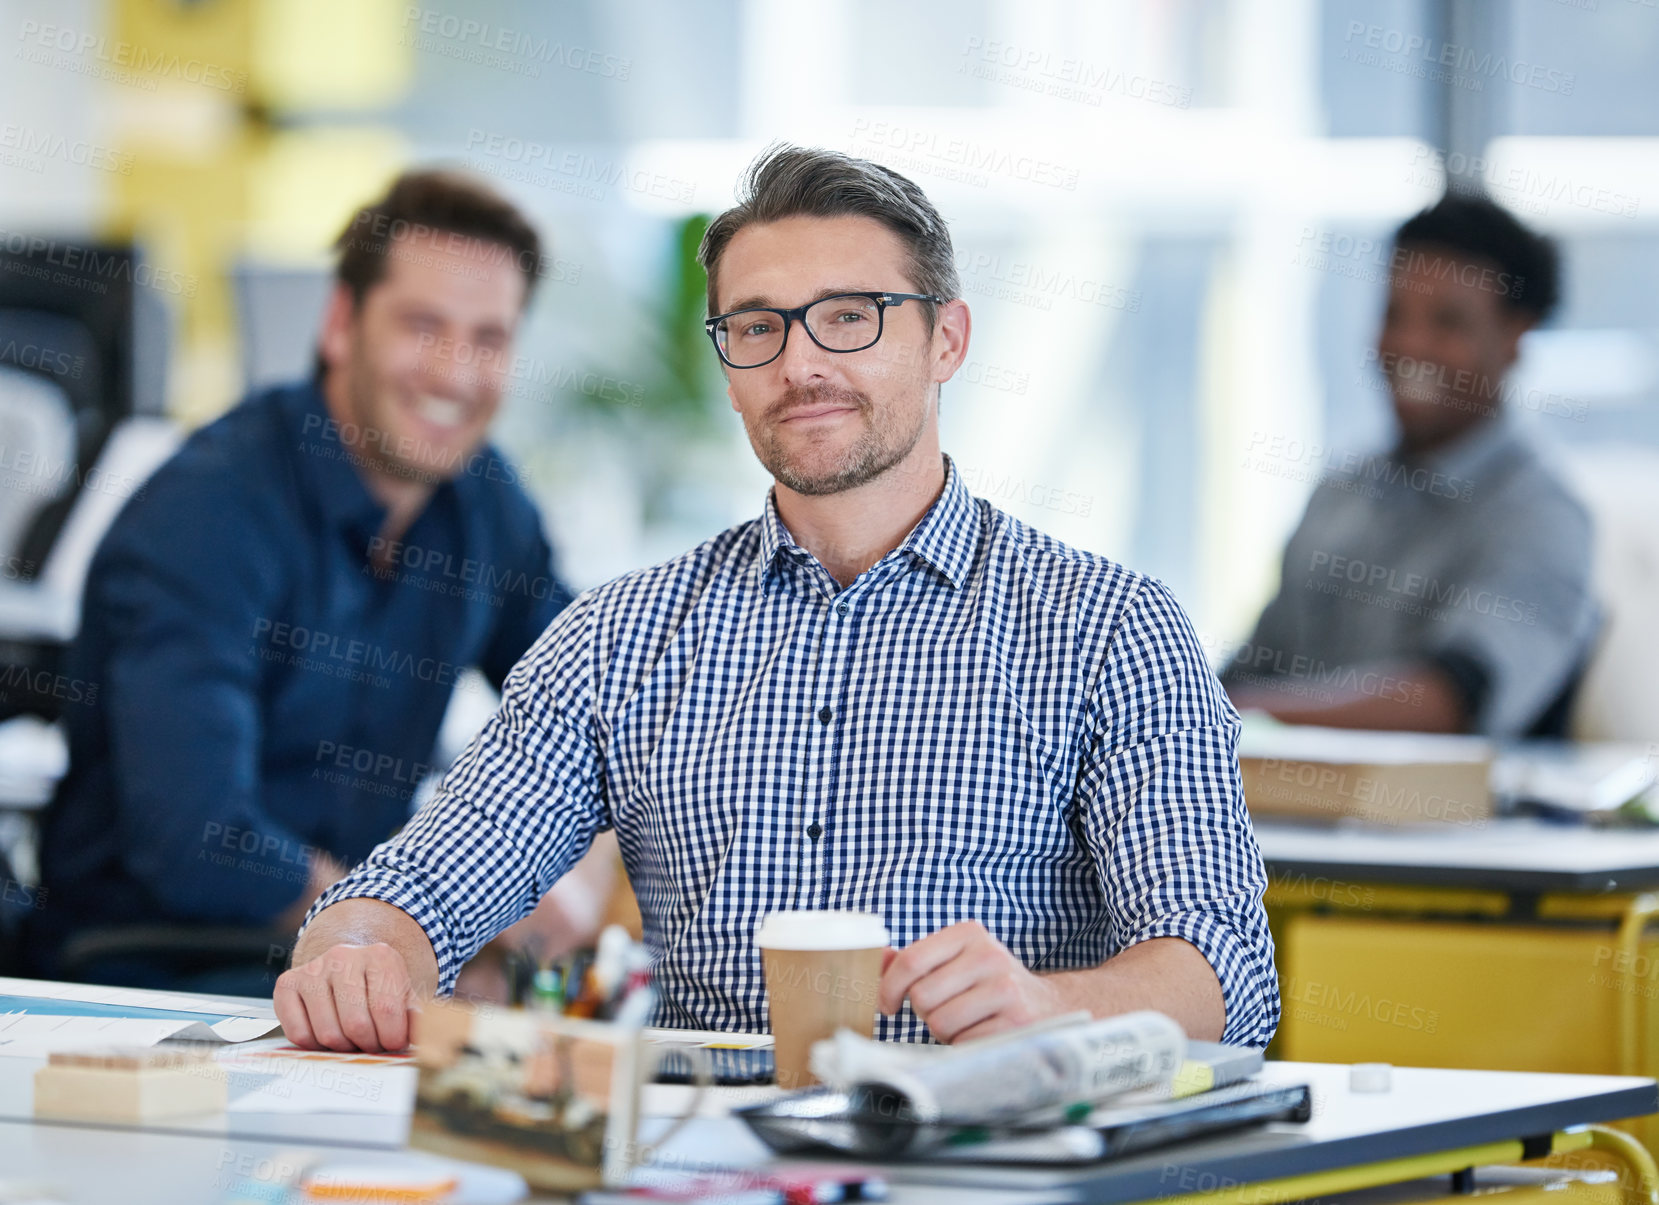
964	983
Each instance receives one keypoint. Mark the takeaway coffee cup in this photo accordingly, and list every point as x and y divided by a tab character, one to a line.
822	972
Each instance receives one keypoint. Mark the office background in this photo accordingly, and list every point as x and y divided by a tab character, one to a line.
1171	221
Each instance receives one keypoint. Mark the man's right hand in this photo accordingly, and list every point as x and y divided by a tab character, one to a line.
360	969
347	998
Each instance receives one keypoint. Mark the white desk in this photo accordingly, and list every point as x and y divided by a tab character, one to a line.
1427	1111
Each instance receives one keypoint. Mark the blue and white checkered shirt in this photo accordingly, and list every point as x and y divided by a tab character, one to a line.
985	725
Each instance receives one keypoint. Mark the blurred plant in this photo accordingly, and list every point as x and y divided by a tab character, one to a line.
676	371
677	394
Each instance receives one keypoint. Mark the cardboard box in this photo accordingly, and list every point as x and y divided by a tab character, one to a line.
1384	778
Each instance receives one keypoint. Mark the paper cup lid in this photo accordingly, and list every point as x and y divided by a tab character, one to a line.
821	931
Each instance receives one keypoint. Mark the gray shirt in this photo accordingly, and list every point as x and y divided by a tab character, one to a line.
1474	558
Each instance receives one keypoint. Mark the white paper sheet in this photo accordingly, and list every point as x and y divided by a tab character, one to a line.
137	998
321	1081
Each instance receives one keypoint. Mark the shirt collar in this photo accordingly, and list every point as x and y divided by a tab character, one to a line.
948	534
946	537
326	461
1472	454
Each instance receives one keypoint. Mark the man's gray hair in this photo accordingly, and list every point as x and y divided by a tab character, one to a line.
793	181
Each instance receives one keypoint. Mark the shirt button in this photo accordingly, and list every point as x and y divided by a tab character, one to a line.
826	715
815	830
842	608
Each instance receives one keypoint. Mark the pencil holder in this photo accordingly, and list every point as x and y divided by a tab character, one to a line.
554	1098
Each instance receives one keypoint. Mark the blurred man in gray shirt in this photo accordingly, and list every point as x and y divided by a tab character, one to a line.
1444	586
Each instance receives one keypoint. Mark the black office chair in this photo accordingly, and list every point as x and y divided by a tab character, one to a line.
1554	723
14	906
181	950
71	379
66	381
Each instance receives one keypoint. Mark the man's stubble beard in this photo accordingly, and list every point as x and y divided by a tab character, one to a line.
873	453
1430	413
374	451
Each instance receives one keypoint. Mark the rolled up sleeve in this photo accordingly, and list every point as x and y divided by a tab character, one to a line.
1522	617
1163	813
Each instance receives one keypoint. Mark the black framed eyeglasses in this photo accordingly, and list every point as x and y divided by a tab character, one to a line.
845	322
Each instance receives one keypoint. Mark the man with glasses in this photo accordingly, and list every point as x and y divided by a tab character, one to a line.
883	695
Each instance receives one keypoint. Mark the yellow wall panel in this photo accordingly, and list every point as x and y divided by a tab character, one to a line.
307	184
1517	997
324	54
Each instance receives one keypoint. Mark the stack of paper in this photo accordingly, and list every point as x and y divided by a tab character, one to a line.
38	1017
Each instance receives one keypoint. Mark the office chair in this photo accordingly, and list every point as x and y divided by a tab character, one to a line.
79	432
67	382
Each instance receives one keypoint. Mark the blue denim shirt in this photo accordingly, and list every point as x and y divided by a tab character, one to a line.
259	686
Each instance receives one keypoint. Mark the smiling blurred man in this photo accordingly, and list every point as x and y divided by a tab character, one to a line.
1443	586
277	624
883	694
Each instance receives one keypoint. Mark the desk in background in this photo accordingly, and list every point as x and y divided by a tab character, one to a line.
1514	944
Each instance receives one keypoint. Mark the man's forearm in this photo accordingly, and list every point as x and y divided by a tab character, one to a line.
1164	973
366	922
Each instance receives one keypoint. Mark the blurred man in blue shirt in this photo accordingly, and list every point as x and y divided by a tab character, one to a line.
278	623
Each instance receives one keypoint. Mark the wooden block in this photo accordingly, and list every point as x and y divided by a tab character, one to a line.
129	1084
130	1058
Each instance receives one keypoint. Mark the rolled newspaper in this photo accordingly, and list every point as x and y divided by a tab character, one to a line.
1018	1077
